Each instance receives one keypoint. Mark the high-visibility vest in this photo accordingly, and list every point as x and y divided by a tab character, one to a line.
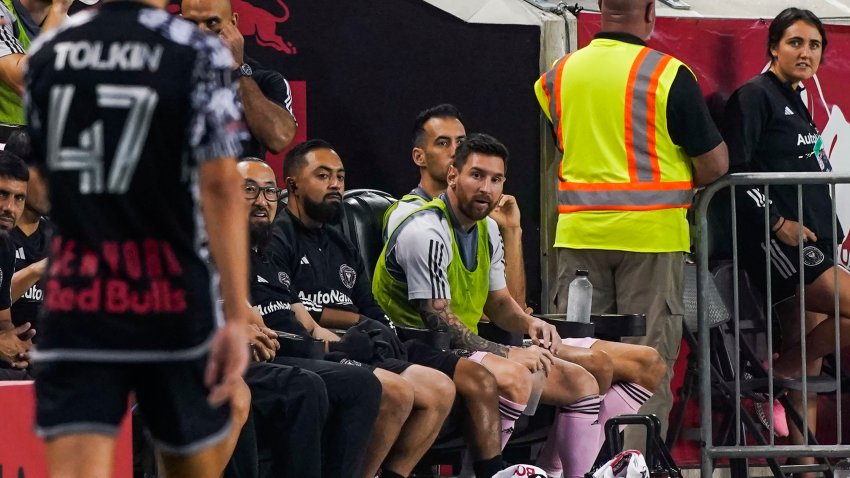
11	104
469	288
607	103
619	91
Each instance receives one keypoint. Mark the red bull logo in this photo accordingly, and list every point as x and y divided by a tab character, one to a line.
262	25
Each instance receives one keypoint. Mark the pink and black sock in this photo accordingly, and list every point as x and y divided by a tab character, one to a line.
509	413
575	423
622	398
549	458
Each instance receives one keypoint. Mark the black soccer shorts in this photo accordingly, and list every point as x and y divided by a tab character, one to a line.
818	257
92	397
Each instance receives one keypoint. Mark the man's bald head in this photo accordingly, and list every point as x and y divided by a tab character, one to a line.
210	15
628	16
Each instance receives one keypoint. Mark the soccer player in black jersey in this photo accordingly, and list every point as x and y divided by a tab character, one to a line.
133	115
15	342
30	237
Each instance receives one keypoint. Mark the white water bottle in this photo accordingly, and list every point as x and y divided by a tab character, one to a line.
579	298
842	469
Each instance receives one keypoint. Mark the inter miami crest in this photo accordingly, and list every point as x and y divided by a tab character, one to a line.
347	276
812	256
283	277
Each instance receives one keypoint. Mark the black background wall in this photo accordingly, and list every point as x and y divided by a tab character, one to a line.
369	66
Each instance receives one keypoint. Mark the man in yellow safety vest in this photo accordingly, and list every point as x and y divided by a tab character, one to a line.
636	138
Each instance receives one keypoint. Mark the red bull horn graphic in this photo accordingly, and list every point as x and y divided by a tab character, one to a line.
262	25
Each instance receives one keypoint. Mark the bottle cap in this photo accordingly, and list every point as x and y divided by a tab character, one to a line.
582	272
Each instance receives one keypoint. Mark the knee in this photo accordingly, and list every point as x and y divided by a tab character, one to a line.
515	382
600	365
397	397
473	381
441	391
583	382
653	369
240	404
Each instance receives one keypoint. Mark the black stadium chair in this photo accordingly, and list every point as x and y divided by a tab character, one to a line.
362	222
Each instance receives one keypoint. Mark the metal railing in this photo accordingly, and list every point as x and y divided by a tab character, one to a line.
737	447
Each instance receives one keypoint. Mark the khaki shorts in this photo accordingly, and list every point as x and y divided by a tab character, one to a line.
632	283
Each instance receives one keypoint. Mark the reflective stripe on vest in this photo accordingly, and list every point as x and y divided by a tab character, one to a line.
645	189
548	82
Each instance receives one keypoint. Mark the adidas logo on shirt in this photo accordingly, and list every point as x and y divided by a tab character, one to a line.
19	254
304	260
788	111
261	280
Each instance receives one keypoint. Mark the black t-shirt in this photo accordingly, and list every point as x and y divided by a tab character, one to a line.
768	129
325	268
29	250
271	295
126	101
7	269
276	89
688	120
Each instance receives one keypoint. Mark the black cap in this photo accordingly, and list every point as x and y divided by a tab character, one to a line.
582	272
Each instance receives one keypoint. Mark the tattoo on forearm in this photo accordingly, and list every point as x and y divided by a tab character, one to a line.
437	315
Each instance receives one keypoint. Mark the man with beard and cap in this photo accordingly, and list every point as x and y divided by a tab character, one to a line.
352	395
443	267
31	237
626	374
15	342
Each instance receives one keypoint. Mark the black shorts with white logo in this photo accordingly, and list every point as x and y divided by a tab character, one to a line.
818	257
92	397
418	353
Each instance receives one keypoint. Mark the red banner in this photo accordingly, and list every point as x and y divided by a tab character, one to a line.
22	453
725	53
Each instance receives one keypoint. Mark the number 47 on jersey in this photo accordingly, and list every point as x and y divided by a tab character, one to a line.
88	157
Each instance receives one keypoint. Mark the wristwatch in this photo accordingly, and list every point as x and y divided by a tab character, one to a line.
244	70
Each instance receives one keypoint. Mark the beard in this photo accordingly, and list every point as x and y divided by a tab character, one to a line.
261	234
475	214
324	212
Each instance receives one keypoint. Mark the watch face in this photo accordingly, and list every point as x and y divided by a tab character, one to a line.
246	70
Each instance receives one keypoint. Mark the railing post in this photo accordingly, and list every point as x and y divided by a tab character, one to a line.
710	452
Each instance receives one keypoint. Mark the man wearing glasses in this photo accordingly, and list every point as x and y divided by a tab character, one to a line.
353	394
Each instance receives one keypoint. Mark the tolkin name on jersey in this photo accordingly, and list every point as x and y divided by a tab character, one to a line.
124	277
123	56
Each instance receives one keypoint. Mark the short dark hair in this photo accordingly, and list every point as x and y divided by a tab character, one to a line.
294	159
482	144
444	110
19	144
13	167
785	19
